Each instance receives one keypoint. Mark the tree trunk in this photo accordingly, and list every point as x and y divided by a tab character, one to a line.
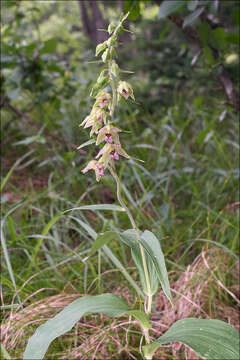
85	19
92	22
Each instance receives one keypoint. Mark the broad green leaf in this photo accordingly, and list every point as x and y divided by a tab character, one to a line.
97	207
112	257
133	7
129	238
49	46
29	49
103	239
192	17
152	246
127	5
218	38
141	317
208	55
210	339
107	304
120	266
168	7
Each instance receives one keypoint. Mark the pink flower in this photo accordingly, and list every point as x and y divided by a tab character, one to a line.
111	151
114	155
94	120
97	167
103	99
109	134
124	89
103	103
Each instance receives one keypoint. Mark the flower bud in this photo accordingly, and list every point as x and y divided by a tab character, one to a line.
111	27
105	55
100	48
115	68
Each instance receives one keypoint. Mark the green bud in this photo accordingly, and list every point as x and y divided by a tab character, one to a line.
115	68
111	27
104	81
100	48
105	55
101	76
95	90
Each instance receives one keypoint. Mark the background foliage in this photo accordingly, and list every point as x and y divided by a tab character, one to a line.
185	59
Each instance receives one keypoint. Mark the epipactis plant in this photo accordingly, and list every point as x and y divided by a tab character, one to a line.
100	119
210	339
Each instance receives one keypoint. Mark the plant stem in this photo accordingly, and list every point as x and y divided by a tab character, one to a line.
119	196
114	90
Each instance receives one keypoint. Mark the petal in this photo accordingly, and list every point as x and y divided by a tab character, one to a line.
89	166
100	138
84	121
125	94
120	150
115	138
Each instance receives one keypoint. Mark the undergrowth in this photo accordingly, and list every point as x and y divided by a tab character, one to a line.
185	191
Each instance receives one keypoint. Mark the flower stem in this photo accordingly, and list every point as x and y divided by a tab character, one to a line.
145	268
114	90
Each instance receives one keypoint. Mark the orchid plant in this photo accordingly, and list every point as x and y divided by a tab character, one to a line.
210	339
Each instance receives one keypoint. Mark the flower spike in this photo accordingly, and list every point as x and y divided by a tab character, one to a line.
104	105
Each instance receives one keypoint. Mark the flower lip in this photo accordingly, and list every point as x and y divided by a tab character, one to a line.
125	94
114	155
109	134
108	138
103	103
